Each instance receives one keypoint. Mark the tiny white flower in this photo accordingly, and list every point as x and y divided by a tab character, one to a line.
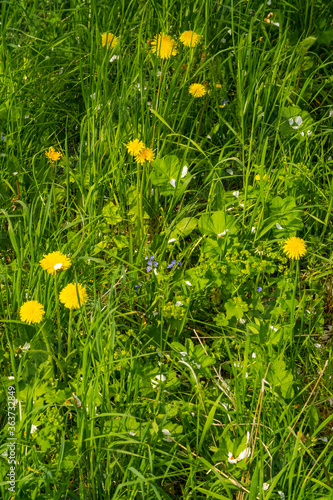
208	137
242	321
188	283
229	31
302	133
61	70
269	2
323	439
245	454
223	40
166	432
236	193
26	347
224	233
172	240
57	266
27	117
15	173
273	328
131	433
184	171
331	112
253	229
265	486
11	378
254	355
92	96
114	58
317	346
158	74
173	183
282	495
230	172
183	353
33	429
155	271
278	226
241	204
231	208
291	121
309	132
298	120
275	24
179	303
162	378
47	57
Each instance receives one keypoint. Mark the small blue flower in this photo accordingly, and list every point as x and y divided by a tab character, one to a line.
259	289
155	264
179	263
172	264
2	137
148	269
149	263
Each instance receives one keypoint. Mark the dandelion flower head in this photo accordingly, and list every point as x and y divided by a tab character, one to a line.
257	177
73	296
294	247
163	46
52	155
32	312
197	90
54	261
189	38
109	39
146	154
135	147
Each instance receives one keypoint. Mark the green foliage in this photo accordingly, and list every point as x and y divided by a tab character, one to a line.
200	366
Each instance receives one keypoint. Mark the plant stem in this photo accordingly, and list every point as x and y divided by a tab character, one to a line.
58	315
69	332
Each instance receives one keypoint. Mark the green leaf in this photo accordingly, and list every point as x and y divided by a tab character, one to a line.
216	224
280	378
111	214
184	227
236	307
305	44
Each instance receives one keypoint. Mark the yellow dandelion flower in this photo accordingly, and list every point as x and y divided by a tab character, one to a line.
257	177
109	39
197	90
163	46
73	295
135	147
32	312
146	154
294	247
53	155
189	38
218	86
54	261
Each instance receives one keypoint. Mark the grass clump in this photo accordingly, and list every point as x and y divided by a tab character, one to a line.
166	249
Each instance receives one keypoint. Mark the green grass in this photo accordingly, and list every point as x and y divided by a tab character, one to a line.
165	377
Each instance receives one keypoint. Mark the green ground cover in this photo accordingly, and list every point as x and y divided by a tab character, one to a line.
166	289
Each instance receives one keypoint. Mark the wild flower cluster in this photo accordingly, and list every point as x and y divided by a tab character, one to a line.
73	296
